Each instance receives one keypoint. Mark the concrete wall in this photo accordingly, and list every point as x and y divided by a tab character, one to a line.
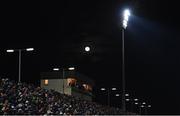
68	90
55	84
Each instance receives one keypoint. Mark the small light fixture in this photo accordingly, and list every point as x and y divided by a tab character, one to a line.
56	69
9	50
46	82
103	89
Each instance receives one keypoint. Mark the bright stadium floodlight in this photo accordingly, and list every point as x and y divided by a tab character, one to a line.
9	50
125	18
29	49
124	23
126	15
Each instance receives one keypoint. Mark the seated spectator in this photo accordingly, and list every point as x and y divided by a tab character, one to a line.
22	98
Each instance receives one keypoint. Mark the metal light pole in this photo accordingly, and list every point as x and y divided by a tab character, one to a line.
19	65
63	79
108	93
126	15
148	106
123	75
142	105
63	75
137	106
19	79
140	110
134	102
131	101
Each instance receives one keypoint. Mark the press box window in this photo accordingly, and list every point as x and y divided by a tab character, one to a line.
46	82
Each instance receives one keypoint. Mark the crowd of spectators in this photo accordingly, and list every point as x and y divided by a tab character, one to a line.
27	99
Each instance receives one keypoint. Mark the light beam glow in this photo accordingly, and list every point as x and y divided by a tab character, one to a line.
10	50
29	49
71	68
56	69
103	89
126	15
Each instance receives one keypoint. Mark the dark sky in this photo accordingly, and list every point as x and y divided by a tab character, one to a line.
59	31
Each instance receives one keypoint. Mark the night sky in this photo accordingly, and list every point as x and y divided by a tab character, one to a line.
60	31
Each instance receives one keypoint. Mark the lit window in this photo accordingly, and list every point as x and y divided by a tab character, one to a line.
46	82
71	81
87	87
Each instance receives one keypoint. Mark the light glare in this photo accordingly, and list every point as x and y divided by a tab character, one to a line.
126	15
124	23
126	18
103	89
142	106
114	89
71	68
127	12
56	69
135	99
136	103
29	49
10	50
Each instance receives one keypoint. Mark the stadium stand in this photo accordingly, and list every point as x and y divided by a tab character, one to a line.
27	99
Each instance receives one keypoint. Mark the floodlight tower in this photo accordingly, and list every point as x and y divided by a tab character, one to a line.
126	14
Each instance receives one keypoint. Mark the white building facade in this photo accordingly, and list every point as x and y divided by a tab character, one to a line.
71	83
